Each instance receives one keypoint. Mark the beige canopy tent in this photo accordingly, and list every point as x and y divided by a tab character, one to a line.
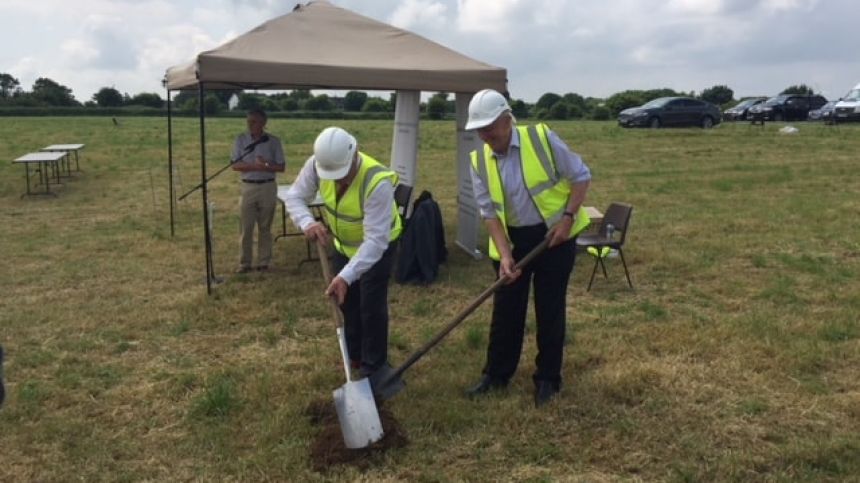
321	46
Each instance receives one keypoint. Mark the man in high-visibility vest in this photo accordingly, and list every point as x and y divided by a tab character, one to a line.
529	186
361	218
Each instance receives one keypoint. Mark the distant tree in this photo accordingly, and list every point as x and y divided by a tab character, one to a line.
318	103
53	94
211	104
718	95
354	100
547	100
270	105
375	104
558	110
289	104
574	111
801	89
437	105
148	99
631	98
108	97
301	94
600	113
181	99
225	95
519	109
623	100
8	85
575	102
249	101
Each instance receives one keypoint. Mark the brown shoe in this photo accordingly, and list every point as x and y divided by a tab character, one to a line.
243	269
263	268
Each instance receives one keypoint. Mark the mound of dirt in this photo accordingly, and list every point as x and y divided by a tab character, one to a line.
328	449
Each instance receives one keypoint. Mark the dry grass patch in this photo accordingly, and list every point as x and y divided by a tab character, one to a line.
735	358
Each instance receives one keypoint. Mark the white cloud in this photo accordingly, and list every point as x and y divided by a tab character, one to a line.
593	47
78	52
699	7
487	16
419	13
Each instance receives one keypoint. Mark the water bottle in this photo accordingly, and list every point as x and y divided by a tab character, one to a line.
610	230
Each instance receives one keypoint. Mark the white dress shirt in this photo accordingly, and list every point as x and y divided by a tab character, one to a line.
520	209
376	224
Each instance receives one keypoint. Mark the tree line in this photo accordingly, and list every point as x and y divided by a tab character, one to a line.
46	92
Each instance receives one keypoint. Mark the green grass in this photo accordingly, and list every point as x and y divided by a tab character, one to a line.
737	357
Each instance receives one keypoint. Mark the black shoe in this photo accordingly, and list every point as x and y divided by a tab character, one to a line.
486	384
544	392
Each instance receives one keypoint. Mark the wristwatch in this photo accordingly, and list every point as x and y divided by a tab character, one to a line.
568	213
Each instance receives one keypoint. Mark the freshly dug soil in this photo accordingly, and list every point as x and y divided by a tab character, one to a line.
328	450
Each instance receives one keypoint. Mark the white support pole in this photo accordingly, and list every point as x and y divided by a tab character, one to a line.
468	216
404	143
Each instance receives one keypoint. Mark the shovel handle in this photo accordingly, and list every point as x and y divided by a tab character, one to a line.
327	275
465	313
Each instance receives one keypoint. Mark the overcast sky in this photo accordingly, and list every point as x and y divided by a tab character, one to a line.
592	47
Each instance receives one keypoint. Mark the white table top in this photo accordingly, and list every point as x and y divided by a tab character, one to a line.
40	157
282	195
63	147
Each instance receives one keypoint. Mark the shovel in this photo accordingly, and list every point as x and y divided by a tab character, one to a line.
356	408
392	384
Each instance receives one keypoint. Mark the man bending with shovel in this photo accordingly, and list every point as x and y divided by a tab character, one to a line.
361	218
529	187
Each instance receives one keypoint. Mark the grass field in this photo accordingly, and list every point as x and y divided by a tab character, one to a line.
737	357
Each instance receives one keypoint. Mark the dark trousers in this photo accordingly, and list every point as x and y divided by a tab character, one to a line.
365	312
550	273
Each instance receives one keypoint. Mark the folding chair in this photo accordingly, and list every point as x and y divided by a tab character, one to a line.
610	235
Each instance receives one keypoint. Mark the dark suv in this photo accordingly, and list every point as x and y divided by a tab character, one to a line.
671	111
786	107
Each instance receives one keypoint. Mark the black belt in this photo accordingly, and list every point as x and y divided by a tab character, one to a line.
257	181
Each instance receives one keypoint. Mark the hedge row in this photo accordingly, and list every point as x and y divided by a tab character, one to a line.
153	112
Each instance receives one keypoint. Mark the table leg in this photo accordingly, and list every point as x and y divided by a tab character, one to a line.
48	179
27	174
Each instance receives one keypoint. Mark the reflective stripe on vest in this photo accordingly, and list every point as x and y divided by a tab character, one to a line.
345	217
549	191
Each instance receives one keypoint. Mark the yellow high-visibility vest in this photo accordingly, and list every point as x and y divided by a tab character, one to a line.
549	191
345	217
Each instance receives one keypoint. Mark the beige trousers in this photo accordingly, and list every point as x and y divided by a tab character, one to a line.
257	208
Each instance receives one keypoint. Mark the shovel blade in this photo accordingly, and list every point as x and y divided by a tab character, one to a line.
357	414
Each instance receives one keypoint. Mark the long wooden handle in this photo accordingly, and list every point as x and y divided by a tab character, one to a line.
465	312
327	275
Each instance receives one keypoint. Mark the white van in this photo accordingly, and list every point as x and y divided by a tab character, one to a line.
848	108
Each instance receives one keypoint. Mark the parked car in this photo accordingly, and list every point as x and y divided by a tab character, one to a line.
671	111
848	108
786	107
824	113
738	112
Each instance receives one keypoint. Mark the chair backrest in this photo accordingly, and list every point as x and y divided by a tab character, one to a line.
402	193
618	214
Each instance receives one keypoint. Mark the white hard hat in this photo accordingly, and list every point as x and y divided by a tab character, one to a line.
485	107
334	149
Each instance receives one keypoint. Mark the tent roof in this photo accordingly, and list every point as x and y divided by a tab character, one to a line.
319	45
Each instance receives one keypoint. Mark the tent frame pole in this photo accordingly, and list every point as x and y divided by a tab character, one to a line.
205	190
171	189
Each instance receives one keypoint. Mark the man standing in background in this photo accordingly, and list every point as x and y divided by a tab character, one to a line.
259	157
